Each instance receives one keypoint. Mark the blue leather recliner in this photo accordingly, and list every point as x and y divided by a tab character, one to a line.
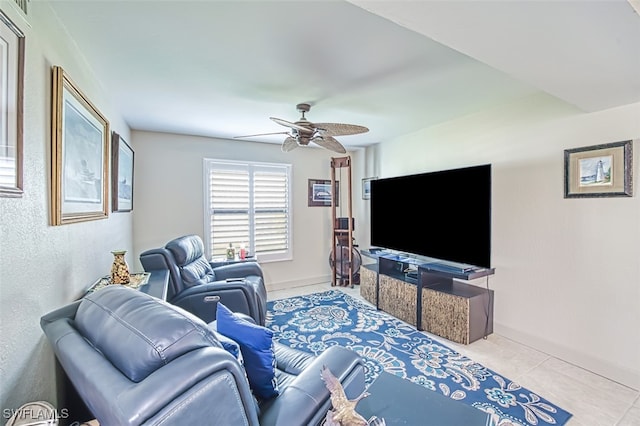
137	360
193	280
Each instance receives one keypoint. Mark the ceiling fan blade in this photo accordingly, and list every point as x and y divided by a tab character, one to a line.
339	129
289	144
261	134
289	124
329	143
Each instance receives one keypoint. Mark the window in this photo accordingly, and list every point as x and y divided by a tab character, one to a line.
248	204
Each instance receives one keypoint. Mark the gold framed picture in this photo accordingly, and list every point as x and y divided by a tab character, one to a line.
599	171
79	155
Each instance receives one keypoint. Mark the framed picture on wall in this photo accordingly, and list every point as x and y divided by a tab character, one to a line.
599	171
366	187
11	116
121	174
79	155
320	193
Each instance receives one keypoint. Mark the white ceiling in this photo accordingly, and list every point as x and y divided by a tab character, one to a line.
222	68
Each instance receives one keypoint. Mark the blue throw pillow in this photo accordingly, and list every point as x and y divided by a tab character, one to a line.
230	346
256	345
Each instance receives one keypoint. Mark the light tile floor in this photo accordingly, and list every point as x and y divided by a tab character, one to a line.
592	399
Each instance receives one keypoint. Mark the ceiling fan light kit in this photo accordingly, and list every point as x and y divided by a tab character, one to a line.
303	132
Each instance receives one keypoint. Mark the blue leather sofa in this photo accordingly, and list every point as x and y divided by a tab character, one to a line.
137	360
193	280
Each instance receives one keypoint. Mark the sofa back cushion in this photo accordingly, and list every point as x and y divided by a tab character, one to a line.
138	333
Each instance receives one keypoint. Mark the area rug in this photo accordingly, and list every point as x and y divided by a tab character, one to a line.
314	322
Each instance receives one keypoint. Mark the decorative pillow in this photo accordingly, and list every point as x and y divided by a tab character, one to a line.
230	346
256	345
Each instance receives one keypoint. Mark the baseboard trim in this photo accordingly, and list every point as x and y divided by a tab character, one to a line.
622	375
285	285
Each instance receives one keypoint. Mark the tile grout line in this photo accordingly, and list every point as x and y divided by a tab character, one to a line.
628	410
533	368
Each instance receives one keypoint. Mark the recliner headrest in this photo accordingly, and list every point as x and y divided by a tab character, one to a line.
138	333
186	249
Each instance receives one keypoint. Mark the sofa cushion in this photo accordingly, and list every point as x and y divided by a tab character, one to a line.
136	332
256	345
197	272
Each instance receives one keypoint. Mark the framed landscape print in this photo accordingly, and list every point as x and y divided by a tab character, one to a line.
11	110
121	174
599	171
320	193
79	155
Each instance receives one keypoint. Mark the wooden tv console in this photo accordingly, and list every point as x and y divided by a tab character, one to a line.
429	295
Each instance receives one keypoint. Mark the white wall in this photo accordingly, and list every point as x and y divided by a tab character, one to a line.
168	186
567	276
43	267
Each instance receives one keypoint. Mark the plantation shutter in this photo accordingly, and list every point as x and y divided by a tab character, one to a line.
271	206
248	204
229	209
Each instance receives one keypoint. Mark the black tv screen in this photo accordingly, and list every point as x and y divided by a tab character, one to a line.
444	215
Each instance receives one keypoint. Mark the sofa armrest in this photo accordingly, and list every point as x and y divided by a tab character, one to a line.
48	321
306	400
159	259
238	270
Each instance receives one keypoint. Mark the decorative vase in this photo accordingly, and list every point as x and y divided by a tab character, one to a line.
119	268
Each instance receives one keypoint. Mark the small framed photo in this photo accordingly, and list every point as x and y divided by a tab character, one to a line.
121	174
79	155
320	193
599	171
366	187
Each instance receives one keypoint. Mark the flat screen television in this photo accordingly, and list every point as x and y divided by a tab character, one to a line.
444	215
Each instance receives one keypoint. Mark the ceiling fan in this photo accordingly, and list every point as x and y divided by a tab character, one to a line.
302	132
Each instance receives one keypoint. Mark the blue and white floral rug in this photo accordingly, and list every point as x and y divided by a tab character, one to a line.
314	322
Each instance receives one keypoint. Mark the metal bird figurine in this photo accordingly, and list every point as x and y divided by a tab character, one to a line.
344	410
